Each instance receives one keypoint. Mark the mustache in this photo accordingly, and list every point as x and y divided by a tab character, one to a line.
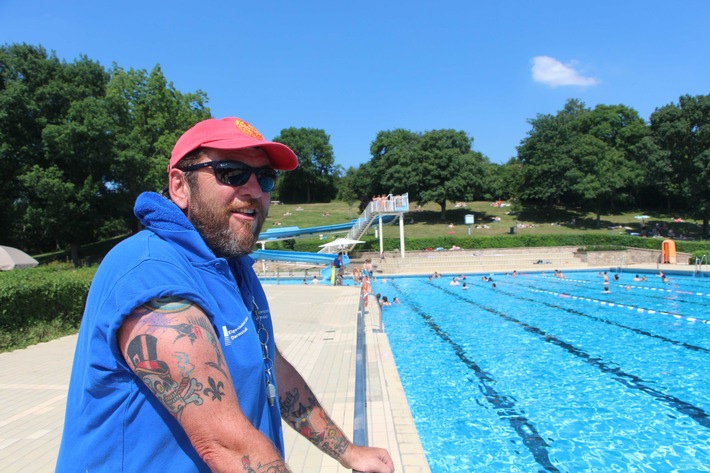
252	204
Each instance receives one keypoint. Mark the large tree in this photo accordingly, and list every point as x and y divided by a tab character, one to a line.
151	115
314	179
435	166
59	151
78	143
30	98
544	156
682	131
603	147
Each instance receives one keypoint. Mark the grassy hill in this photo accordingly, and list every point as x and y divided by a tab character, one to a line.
427	222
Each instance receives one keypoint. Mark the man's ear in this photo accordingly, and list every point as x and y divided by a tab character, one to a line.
178	188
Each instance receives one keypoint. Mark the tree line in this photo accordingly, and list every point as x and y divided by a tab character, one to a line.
600	160
79	142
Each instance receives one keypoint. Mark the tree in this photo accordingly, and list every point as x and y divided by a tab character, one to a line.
450	169
544	156
396	155
63	150
348	186
30	98
682	131
316	173
151	115
75	150
602	147
501	180
436	166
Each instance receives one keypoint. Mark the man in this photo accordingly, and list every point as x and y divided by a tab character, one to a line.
176	367
337	270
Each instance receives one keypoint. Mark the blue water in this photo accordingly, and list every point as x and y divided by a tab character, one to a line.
550	374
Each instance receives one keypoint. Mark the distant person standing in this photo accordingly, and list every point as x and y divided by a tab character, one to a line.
367	268
337	270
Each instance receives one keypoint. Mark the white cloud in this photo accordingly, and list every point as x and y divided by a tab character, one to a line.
550	71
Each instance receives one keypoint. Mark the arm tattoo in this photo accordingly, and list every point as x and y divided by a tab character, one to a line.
143	355
196	328
273	467
329	440
288	403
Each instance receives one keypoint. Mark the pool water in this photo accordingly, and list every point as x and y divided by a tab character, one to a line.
550	374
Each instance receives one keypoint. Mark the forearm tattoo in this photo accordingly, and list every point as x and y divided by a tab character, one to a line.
175	392
311	421
273	467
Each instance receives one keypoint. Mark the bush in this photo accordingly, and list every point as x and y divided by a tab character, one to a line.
592	242
41	304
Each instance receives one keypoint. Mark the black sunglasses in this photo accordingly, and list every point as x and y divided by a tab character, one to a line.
236	173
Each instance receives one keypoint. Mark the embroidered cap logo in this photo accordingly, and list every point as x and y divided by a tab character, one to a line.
248	130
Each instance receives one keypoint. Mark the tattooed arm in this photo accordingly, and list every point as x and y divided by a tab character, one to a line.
172	347
302	411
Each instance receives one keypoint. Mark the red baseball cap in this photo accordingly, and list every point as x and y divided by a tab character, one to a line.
231	133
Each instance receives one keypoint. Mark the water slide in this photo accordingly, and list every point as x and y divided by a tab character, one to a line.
281	233
301	257
296	257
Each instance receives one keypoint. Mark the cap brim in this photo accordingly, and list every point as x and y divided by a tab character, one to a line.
281	157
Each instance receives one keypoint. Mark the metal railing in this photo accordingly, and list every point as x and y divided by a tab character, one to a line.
699	265
360	415
392	204
621	263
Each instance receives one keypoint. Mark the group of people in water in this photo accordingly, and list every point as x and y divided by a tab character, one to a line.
636	278
360	275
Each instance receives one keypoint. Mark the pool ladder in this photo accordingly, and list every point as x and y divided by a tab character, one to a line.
621	263
699	265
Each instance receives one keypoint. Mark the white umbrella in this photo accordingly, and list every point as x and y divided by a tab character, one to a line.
341	242
12	258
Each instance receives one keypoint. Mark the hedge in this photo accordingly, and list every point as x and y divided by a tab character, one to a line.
42	303
506	241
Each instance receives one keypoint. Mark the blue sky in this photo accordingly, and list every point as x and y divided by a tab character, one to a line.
356	68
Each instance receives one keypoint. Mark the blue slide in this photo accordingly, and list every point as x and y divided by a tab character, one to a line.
301	257
287	232
297	257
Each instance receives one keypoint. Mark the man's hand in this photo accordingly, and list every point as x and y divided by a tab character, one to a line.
367	459
302	411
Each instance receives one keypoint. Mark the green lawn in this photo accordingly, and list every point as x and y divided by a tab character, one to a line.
426	223
532	221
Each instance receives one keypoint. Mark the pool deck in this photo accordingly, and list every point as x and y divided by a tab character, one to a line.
315	330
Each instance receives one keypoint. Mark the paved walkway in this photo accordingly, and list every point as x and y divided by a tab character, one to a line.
315	330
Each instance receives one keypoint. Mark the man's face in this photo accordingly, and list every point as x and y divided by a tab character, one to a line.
229	218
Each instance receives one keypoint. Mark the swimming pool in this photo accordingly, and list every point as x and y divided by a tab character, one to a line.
550	374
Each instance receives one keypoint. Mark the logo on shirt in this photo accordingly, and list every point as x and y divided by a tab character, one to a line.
232	334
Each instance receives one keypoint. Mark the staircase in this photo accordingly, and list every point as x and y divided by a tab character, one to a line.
389	207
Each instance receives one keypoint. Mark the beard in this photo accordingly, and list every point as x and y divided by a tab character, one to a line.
212	222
